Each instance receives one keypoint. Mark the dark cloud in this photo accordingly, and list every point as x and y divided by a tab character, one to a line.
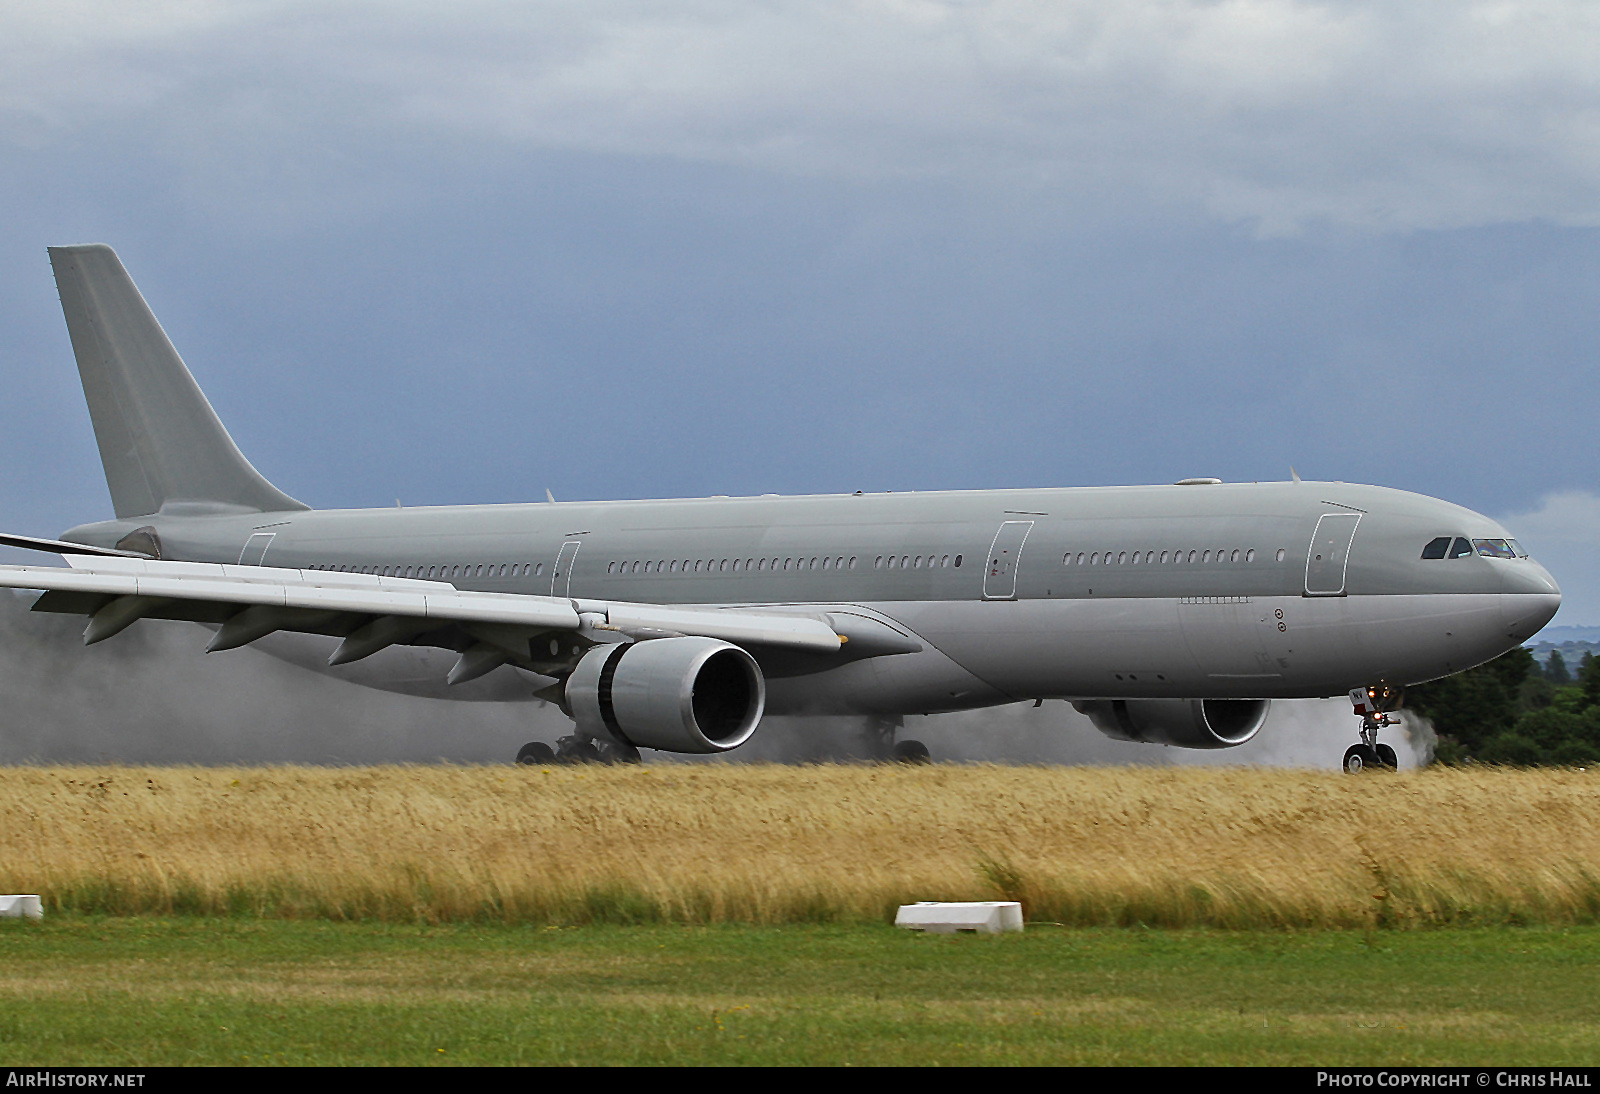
1387	114
464	255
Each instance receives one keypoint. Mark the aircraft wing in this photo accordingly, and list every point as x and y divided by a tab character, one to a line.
371	612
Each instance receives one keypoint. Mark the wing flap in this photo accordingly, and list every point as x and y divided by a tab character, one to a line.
210	592
728	624
66	603
276	588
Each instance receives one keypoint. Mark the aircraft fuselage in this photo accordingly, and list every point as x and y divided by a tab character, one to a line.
1254	590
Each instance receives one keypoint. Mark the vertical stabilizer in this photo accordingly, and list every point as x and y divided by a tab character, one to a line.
159	439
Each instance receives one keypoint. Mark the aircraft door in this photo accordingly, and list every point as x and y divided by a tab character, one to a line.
1000	575
561	574
1330	553
255	548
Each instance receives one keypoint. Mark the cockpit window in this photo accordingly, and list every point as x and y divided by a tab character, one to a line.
1461	547
1494	548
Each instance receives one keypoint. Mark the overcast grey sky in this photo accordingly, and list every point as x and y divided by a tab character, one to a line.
468	252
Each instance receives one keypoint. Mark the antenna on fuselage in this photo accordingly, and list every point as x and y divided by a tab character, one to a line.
1293	474
548	496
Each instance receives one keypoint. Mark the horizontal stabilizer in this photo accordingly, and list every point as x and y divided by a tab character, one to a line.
62	547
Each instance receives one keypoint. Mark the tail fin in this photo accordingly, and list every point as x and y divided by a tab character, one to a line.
159	439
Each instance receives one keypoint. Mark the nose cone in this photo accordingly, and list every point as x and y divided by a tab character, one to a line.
1528	577
1529	601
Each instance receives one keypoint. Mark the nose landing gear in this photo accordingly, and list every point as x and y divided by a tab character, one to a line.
1374	705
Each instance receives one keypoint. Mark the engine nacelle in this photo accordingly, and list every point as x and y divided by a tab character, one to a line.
673	694
1187	723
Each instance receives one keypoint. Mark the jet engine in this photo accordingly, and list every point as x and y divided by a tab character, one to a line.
1187	723
674	694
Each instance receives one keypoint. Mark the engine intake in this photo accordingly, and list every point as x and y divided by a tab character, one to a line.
1187	723
674	694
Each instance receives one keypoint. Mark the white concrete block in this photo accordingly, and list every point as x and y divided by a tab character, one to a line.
22	905
948	917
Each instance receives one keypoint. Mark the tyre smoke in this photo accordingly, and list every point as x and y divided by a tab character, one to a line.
151	696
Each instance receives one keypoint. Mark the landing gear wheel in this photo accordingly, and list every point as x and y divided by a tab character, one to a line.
877	734
619	754
912	752
1375	705
536	752
1359	758
575	751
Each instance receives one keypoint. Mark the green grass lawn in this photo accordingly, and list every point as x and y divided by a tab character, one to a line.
228	991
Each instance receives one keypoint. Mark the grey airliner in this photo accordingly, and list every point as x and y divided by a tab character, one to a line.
1168	614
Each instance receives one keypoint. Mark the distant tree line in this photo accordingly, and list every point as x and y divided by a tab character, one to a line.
1513	711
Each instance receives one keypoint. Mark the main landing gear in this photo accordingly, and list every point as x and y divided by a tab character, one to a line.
879	733
1374	705
536	753
577	750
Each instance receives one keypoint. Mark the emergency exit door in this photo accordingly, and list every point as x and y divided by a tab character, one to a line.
255	549
1329	553
1000	573
561	573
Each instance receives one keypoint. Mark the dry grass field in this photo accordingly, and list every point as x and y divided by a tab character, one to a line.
777	844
